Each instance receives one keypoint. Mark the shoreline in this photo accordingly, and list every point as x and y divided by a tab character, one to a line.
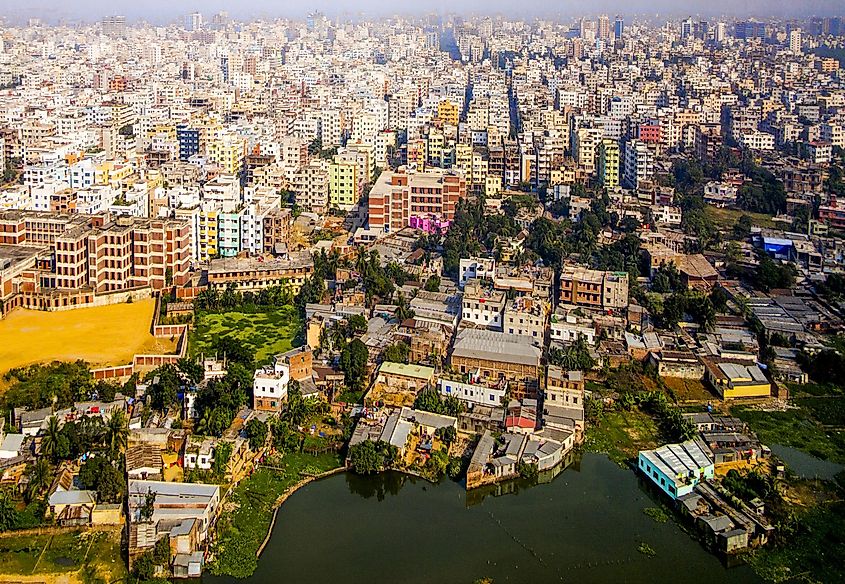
306	481
284	497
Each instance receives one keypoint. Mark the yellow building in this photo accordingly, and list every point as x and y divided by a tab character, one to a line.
493	185
207	234
343	184
737	380
448	112
227	152
436	143
417	154
608	170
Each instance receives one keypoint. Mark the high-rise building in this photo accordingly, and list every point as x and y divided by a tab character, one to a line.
619	27
193	21
795	40
113	25
604	27
720	32
687	28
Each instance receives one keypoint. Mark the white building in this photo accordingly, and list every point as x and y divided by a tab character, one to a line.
484	268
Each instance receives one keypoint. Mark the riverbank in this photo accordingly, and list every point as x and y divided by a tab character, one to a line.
248	515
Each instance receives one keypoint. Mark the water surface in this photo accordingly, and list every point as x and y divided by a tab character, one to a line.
584	526
806	465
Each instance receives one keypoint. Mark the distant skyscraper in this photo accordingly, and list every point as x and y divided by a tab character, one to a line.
619	27
687	28
795	40
604	27
113	25
193	21
720	32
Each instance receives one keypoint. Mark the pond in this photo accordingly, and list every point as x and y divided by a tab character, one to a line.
806	465
585	525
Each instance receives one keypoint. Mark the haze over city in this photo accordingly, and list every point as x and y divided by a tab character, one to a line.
162	11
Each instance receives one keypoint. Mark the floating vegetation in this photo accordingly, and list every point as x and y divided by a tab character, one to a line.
657	513
646	549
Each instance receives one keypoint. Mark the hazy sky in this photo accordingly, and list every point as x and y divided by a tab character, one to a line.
162	11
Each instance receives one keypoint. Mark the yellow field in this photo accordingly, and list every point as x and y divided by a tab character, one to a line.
103	335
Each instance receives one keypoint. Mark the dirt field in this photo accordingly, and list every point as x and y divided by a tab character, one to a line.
104	335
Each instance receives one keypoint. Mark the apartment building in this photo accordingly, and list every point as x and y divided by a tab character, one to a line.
424	200
482	306
593	288
526	317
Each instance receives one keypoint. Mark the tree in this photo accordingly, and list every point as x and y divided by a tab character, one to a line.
9	516
192	370
117	432
222	454
54	444
432	284
99	474
353	363
163	388
429	400
256	432
396	353
370	457
742	228
40	477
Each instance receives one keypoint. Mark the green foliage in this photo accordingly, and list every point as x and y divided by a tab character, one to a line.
241	531
163	387
211	300
574	357
396	353
219	401
436	465
763	194
430	400
256	432
657	513
353	363
222	454
39	386
191	369
99	474
748	486
370	457
473	232
432	284
527	470
447	434
771	274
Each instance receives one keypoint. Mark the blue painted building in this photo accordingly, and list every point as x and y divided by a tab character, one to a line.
782	249
677	468
189	141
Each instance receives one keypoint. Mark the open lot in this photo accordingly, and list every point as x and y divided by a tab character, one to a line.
622	434
103	335
266	333
726	218
61	556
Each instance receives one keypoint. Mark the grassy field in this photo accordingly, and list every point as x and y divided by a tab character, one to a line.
622	434
726	218
103	335
62	556
266	333
244	524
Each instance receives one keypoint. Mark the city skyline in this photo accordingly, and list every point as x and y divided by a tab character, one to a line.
160	12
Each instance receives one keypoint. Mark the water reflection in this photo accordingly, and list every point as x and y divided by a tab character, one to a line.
378	486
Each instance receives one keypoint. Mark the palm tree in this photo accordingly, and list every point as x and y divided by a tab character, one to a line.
204	423
403	311
51	442
117	432
39	476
